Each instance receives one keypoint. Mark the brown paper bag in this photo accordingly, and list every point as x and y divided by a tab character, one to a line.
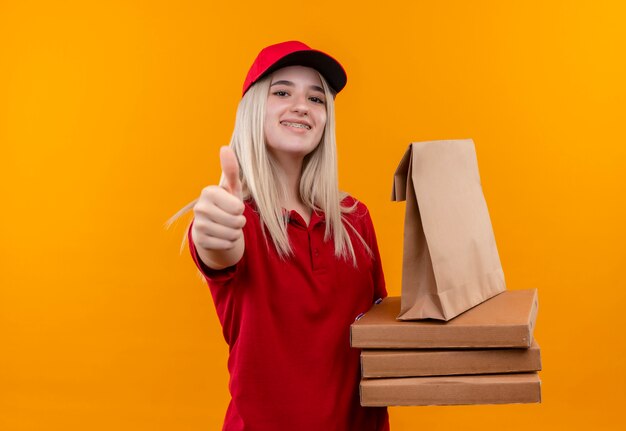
450	261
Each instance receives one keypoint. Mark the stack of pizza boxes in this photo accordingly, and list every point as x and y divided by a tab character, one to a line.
486	355
456	335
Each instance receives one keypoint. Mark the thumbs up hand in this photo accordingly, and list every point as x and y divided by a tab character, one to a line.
217	230
230	172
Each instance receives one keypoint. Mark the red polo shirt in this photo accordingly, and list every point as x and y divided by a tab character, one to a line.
287	324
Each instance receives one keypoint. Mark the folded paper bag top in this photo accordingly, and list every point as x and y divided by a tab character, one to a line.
450	261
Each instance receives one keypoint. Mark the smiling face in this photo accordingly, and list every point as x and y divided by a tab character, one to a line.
295	114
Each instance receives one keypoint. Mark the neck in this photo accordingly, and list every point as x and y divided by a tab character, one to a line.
288	174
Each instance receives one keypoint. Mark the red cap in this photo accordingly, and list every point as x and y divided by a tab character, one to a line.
294	53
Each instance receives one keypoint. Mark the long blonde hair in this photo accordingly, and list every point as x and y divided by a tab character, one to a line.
319	188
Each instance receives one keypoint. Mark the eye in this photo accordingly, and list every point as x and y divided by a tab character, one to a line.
316	100
280	93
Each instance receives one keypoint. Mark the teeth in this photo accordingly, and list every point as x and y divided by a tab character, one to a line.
298	125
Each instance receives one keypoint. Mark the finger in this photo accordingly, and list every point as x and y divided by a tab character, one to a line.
230	170
220	197
210	243
219	216
209	229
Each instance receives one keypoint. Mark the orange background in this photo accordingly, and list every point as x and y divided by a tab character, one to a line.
111	116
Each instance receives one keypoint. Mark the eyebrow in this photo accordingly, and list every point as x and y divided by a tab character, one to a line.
291	84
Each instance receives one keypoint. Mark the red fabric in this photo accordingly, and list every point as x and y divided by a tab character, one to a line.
287	324
293	53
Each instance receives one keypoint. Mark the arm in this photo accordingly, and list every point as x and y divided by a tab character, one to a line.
380	289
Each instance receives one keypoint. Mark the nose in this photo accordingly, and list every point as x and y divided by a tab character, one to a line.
299	104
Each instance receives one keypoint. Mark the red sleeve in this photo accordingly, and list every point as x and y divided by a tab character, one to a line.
380	290
212	275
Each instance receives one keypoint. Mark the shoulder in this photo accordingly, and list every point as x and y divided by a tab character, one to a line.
353	206
358	216
356	212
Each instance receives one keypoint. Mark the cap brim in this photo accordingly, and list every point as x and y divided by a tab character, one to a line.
330	68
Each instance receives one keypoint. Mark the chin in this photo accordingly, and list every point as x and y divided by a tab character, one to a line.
291	151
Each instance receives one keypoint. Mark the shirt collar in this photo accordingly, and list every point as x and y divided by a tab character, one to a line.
295	218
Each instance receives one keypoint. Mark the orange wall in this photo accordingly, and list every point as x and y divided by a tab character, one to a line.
111	116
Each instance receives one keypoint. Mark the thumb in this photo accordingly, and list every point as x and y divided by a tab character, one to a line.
230	171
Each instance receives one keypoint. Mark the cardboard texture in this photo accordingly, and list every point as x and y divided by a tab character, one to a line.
506	320
425	391
450	260
428	362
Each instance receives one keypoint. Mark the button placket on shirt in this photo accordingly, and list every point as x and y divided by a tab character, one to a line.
315	238
313	250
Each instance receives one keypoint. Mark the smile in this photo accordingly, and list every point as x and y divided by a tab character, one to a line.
296	125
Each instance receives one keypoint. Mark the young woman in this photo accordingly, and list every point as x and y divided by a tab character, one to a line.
290	260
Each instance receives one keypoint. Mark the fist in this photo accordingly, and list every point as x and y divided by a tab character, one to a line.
218	214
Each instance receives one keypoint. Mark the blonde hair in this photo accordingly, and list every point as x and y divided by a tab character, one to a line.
319	188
